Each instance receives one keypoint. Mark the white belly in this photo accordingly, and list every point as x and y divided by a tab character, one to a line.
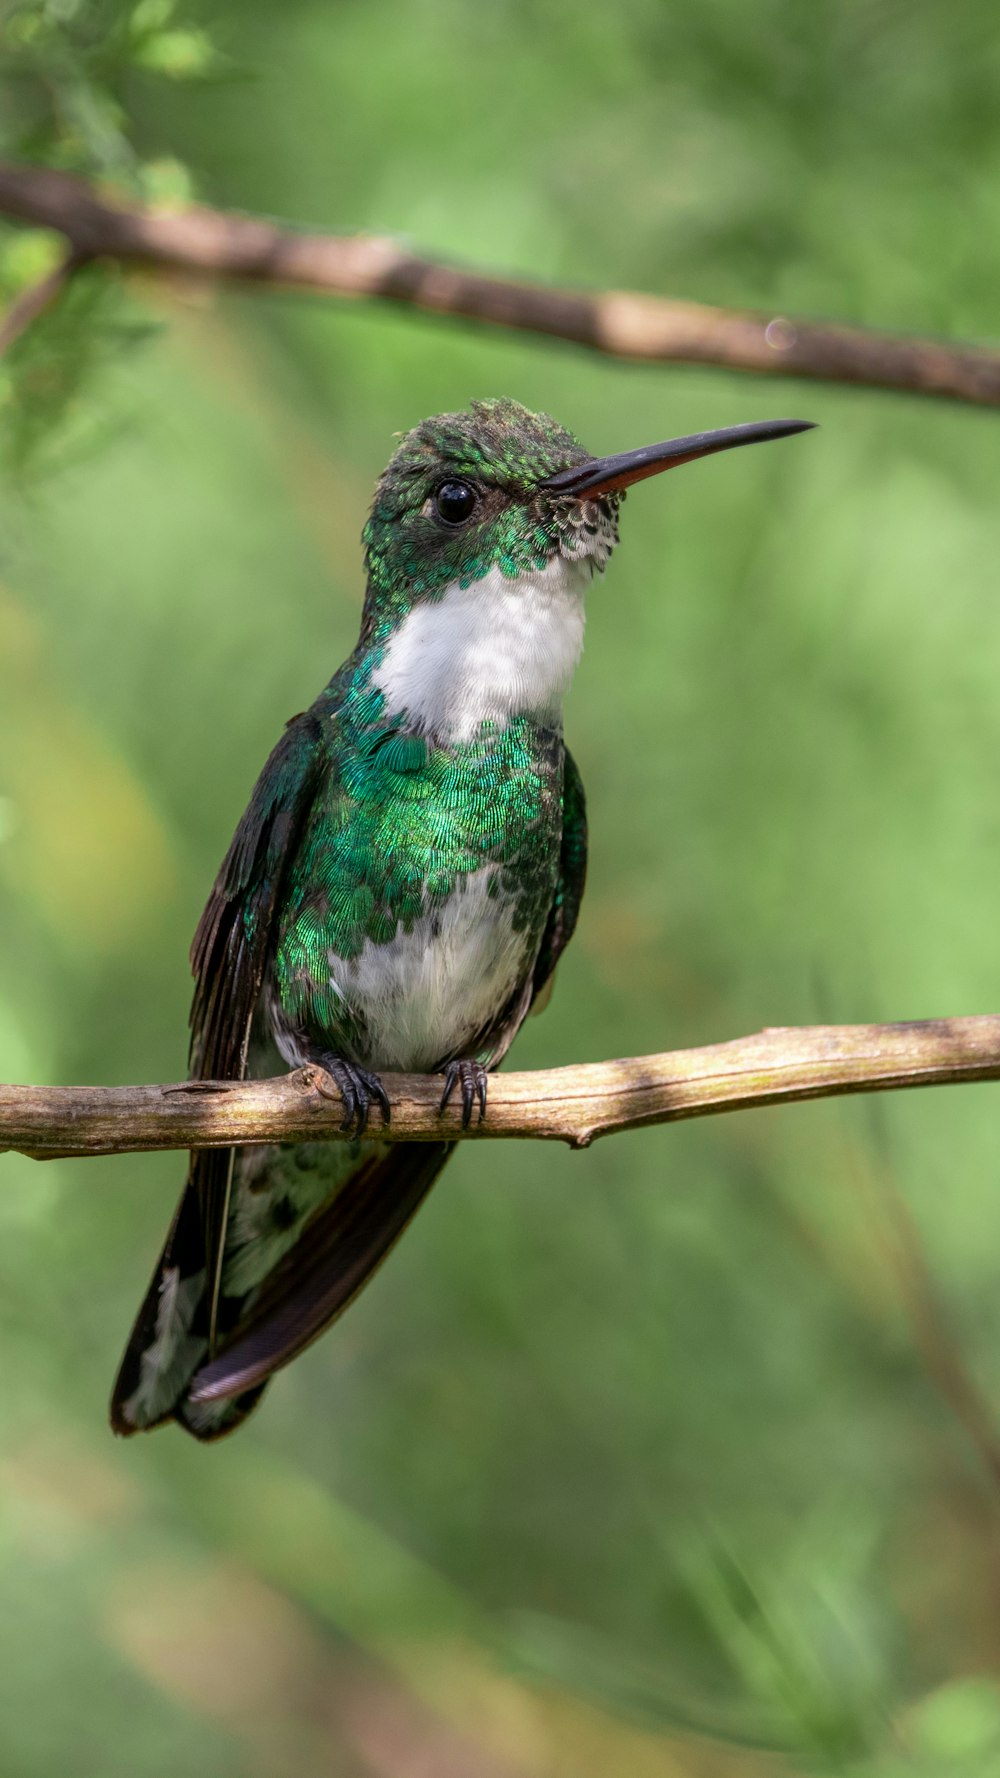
426	995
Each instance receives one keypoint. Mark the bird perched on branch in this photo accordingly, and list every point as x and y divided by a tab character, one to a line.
397	894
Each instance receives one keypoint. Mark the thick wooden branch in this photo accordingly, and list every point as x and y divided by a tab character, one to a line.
574	1105
622	324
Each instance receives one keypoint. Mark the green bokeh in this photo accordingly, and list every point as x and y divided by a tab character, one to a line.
643	1460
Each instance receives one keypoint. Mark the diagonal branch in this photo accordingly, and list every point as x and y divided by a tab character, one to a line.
775	1067
36	300
622	324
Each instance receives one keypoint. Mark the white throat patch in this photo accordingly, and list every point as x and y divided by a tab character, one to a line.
498	648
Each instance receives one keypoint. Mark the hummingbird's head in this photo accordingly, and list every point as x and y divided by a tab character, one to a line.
485	528
467	493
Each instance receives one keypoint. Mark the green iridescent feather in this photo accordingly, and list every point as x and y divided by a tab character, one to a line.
395	826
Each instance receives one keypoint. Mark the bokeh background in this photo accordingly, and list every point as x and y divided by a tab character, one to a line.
677	1458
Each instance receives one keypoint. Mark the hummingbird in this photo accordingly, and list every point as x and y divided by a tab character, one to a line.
397	895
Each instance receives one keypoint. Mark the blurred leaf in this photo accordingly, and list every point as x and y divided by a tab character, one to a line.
150	16
960	1722
580	1658
166	183
58	393
803	1647
181	55
26	256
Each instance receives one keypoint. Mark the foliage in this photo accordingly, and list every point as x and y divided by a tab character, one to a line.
68	69
651	1459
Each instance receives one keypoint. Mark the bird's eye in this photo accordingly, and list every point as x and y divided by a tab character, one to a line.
454	501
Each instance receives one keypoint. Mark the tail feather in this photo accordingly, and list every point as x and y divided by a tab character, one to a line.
166	1343
216	1420
307	1291
308	1226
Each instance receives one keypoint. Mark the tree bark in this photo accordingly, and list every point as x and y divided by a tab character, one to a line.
574	1105
618	323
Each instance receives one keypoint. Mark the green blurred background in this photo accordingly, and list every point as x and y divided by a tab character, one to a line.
677	1458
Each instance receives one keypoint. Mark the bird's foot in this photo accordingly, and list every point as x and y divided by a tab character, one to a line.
359	1090
473	1078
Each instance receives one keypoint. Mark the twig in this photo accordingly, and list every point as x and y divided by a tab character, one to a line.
935	1337
622	324
574	1105
36	299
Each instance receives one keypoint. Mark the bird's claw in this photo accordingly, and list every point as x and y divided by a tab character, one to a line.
358	1089
473	1078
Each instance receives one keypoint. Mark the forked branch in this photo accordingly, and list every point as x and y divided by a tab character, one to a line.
574	1105
621	324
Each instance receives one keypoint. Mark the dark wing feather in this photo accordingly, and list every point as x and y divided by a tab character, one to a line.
570	881
228	957
229	951
311	1287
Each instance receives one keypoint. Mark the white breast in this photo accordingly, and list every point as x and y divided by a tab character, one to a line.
427	994
488	651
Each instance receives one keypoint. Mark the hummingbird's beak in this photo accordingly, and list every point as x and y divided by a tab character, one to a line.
607	475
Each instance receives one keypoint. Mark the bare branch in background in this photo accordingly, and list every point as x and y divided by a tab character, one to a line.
36	299
574	1105
621	324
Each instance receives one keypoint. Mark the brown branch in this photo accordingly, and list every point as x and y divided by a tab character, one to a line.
622	324
36	299
775	1067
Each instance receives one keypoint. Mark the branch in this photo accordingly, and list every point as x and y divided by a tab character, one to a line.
775	1067
36	299
622	324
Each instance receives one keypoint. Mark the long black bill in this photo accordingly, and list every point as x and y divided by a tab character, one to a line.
606	475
